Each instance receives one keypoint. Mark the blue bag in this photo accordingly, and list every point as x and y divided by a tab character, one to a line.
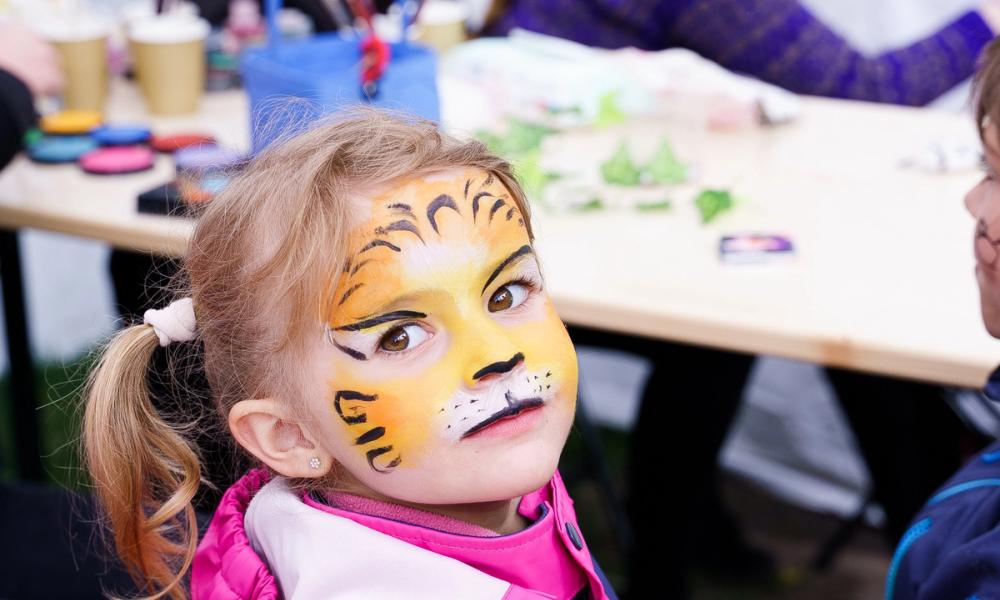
291	83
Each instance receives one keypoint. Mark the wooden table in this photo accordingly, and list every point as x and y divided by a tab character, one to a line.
882	280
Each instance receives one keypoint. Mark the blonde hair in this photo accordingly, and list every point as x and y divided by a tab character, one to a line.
257	265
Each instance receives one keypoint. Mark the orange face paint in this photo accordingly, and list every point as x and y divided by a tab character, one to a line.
445	338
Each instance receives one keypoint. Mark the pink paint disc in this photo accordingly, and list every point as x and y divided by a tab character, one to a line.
117	160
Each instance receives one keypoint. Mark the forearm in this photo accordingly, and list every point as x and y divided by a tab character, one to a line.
793	49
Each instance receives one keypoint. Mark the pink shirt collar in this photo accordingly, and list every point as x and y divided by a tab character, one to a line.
547	559
549	556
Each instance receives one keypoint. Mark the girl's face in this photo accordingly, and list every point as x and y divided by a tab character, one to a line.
983	203
451	379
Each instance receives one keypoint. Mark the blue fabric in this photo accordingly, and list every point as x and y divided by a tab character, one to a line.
992	388
953	550
608	589
914	533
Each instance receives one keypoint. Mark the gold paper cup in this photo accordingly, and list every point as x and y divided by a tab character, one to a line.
441	24
169	58
84	52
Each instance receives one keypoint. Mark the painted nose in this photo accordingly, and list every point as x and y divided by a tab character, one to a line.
498	368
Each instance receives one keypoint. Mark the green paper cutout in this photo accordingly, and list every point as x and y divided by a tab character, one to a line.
712	203
665	167
620	169
665	204
521	145
594	204
519	138
608	111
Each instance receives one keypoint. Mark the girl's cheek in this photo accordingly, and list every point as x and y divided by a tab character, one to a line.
972	201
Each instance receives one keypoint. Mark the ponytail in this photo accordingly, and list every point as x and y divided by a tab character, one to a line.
145	472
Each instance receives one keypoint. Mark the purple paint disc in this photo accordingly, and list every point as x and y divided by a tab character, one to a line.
200	159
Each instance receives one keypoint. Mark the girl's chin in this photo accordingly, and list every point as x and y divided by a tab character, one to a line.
503	482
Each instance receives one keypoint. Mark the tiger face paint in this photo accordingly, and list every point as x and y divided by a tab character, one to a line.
452	378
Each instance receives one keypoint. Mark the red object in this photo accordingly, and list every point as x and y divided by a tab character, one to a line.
117	160
374	58
173	143
374	51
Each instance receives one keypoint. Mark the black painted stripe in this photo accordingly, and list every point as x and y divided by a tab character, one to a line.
358	266
496	206
348	293
442	201
380	243
370	436
350	352
475	202
503	366
406	208
513	256
400	226
377	452
343	395
397	315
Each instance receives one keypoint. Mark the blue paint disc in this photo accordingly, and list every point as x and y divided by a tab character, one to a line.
61	148
121	135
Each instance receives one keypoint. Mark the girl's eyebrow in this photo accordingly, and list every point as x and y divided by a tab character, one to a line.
388	317
522	251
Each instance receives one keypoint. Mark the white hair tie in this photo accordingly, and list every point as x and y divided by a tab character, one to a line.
175	323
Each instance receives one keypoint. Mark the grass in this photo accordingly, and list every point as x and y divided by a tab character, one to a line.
58	388
589	505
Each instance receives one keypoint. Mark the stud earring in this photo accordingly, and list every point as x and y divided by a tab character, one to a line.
315	463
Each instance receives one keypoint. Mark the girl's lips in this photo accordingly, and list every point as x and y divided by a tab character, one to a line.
526	417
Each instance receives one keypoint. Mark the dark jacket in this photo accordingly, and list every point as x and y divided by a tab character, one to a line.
952	550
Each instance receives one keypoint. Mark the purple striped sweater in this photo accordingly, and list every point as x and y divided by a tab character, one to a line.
778	41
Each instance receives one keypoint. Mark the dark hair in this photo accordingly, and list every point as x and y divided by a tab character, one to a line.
986	86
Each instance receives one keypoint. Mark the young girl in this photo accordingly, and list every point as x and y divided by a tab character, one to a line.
375	332
952	550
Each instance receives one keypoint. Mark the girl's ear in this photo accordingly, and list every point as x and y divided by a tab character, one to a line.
263	427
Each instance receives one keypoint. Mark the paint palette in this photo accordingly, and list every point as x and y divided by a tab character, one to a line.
60	149
71	122
203	171
117	160
121	135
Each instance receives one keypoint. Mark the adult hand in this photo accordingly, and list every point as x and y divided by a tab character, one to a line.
990	11
29	58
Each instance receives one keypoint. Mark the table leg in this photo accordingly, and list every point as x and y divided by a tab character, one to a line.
24	409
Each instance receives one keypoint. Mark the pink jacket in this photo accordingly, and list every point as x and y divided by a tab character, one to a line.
547	560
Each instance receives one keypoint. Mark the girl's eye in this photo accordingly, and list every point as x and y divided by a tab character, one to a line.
404	337
988	170
509	296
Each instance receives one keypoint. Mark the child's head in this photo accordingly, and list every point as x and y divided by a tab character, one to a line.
366	295
983	201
